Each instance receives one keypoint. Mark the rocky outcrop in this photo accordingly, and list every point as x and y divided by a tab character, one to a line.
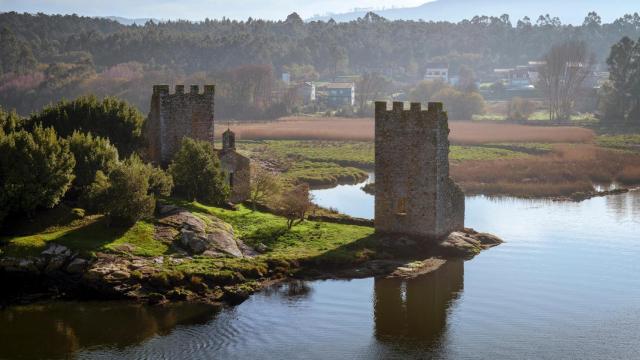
199	234
467	244
55	258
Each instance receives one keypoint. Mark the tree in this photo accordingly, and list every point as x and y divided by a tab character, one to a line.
567	66
467	82
520	109
460	105
110	117
371	86
196	173
425	90
265	185
129	192
92	154
10	121
295	203
127	197
36	170
621	94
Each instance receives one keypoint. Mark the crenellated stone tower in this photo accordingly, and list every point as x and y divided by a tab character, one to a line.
174	116
414	194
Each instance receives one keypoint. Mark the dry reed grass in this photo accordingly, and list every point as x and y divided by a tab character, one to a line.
568	169
462	132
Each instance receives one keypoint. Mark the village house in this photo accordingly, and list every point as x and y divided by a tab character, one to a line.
336	95
437	71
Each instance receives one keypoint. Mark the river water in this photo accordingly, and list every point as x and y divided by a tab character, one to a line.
565	285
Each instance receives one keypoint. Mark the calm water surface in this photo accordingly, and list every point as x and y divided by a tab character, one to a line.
565	285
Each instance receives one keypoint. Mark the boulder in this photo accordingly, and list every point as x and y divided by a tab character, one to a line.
200	234
55	263
467	244
56	250
195	243
77	266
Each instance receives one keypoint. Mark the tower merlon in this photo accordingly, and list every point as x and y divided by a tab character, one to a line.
160	89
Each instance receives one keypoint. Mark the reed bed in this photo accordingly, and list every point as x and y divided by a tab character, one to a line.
462	132
566	170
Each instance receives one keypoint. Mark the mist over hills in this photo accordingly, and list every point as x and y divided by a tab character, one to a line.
569	11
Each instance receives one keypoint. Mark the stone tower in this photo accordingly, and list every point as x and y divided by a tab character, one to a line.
178	115
414	194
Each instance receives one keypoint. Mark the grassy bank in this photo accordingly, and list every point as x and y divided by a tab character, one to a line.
326	243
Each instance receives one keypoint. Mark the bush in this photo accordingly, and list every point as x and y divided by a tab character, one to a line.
114	119
196	173
129	192
36	169
10	121
295	204
460	105
520	109
92	154
127	197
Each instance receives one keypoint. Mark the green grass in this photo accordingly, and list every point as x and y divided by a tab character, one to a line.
87	235
351	153
305	240
466	153
323	173
308	241
623	142
489	117
578	118
325	157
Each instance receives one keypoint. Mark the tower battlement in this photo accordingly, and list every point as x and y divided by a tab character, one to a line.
179	90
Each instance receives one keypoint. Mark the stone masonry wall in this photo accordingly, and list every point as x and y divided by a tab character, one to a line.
238	174
174	116
414	194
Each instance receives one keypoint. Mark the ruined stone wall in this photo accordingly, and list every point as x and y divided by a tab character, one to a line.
414	194
178	115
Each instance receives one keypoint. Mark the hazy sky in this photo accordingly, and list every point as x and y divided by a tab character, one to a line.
198	9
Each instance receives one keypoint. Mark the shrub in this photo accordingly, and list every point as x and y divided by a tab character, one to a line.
36	169
92	154
10	121
129	192
196	173
112	118
265	185
520	109
460	105
295	204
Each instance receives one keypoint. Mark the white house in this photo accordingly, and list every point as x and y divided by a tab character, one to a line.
437	71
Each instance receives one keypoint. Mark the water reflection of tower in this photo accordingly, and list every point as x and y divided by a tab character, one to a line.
416	310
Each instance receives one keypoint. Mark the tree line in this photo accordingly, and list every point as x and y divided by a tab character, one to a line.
49	57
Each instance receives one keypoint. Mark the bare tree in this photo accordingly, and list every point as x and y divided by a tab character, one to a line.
265	185
295	204
567	67
371	86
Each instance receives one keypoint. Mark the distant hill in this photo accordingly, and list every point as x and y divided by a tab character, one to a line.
569	11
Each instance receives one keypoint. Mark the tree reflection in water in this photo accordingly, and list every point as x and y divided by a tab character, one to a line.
56	330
